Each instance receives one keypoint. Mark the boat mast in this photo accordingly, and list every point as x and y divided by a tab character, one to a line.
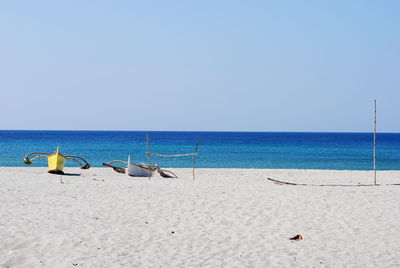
375	142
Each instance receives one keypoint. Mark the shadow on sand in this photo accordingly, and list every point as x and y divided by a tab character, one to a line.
70	174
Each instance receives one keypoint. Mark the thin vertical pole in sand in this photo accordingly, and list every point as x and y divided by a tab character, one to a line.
194	156
375	142
148	155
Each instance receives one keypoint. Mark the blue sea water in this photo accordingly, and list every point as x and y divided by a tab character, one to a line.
267	150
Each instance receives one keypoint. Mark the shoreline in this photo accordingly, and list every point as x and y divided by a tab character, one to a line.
218	168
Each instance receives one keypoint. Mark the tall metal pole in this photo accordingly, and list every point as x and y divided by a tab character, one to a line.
194	156
148	155
375	142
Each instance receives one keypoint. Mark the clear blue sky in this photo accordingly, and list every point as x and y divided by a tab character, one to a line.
200	65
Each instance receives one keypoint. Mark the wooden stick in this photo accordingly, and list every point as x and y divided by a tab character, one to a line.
148	154
375	142
172	155
194	156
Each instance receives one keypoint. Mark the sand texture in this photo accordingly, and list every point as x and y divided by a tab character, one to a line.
224	218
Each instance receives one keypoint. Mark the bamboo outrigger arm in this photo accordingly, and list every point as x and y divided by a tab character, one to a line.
166	173
28	161
116	168
85	165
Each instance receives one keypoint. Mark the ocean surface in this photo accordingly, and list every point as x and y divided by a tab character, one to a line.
266	150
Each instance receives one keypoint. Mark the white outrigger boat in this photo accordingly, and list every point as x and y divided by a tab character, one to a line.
139	170
143	170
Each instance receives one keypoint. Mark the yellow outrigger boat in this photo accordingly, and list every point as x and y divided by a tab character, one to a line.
56	161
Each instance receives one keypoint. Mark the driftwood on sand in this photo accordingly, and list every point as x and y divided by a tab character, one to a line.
312	184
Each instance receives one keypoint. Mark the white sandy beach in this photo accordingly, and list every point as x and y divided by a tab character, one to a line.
224	218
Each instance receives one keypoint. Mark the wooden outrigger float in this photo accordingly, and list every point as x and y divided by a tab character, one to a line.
56	161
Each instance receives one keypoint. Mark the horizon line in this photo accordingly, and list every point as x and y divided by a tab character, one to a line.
212	131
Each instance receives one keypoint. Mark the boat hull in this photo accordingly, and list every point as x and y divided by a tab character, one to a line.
137	171
56	163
